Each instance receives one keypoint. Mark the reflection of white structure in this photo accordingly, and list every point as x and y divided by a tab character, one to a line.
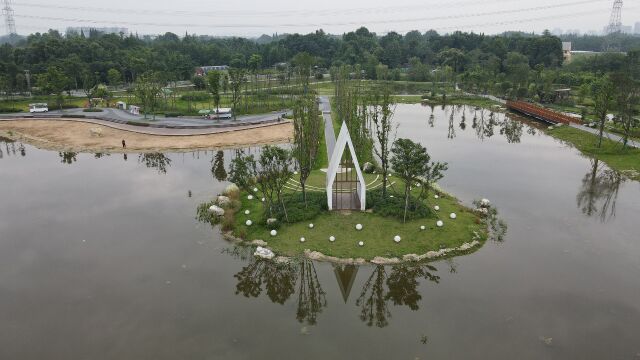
345	191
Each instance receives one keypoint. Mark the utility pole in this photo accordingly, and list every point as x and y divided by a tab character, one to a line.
9	21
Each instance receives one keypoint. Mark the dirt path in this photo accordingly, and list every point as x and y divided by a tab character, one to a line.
84	137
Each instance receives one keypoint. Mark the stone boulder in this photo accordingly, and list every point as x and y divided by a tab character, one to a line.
231	189
259	243
223	201
216	210
95	132
264	253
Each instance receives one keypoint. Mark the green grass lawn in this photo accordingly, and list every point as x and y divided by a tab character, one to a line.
611	152
378	232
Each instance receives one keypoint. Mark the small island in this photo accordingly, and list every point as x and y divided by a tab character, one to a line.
386	210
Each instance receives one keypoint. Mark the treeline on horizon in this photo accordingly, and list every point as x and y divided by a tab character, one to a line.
176	57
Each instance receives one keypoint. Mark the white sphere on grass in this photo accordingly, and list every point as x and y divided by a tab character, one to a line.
249	223
453	215
302	239
440	223
274	233
310	226
263	199
332	238
397	238
359	227
436	208
422	227
255	189
250	197
247	212
361	243
436	197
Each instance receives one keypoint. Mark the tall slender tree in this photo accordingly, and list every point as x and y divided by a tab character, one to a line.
307	131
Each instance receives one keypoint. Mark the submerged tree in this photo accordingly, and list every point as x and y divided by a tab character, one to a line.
307	132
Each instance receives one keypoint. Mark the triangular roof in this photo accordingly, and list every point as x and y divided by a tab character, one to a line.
344	141
345	275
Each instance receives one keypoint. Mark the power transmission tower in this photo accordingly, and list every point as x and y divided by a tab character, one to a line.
613	31
615	22
9	21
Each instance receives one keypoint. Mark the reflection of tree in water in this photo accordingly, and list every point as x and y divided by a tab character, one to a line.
67	157
10	148
451	134
158	161
372	302
100	155
401	289
511	129
279	281
403	284
217	167
599	191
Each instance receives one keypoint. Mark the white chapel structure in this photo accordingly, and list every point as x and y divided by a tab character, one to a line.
346	186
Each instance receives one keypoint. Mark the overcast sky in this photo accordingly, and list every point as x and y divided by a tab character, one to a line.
255	17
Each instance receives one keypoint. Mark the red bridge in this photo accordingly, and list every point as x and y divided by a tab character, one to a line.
541	113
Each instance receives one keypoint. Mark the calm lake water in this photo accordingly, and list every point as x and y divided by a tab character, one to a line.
102	258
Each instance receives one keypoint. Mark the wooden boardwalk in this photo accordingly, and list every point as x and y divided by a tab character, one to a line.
540	113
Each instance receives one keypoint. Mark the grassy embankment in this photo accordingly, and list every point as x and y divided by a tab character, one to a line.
626	160
378	232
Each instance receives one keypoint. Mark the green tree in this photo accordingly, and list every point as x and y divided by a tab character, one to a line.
381	112
602	93
242	171
213	84
408	164
307	132
236	79
114	77
147	90
272	176
53	82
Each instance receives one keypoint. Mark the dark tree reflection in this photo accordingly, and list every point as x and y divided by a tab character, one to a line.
403	284
67	157
599	191
511	129
217	167
278	280
372	300
158	161
311	297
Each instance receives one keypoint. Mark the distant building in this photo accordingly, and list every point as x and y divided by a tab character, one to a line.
636	29
626	29
566	51
203	70
86	30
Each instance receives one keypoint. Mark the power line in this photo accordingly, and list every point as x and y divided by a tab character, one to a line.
317	25
428	5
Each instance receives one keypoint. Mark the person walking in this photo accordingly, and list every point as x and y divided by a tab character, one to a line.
124	144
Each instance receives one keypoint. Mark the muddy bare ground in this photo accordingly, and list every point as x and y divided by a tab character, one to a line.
86	137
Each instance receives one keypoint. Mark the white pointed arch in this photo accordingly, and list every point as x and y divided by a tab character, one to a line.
344	141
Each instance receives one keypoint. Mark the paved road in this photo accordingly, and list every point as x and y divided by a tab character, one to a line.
329	133
124	118
610	136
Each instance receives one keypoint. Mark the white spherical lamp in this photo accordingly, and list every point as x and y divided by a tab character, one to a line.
436	197
263	199
332	238
361	243
255	189
397	238
423	227
274	233
440	223
250	197
302	239
359	227
247	212
310	226
453	215
249	223
436	208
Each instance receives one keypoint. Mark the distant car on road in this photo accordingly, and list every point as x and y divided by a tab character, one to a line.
221	113
38	108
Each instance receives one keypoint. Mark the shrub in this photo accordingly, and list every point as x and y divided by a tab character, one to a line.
195	96
92	110
394	206
296	209
6	110
173	114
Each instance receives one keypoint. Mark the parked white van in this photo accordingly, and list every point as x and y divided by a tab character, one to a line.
38	108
